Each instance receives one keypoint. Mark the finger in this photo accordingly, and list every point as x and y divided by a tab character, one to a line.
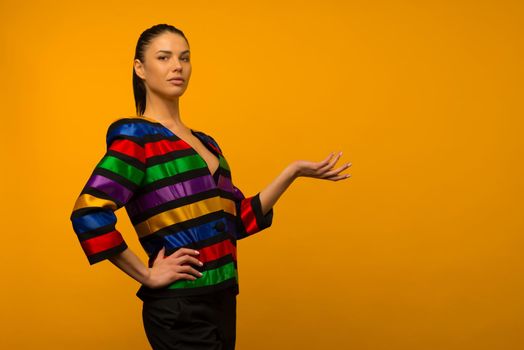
161	254
190	259
329	157
186	276
336	171
332	163
325	164
184	251
325	161
192	270
338	177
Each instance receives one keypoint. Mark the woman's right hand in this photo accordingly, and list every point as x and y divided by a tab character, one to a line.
167	270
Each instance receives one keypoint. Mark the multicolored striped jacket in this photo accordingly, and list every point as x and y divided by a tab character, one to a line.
172	200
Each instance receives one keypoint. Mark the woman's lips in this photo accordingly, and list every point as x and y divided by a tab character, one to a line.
176	81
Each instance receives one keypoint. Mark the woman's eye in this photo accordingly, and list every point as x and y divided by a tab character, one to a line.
184	59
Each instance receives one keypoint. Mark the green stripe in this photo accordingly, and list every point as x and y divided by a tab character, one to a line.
173	167
222	162
208	277
122	168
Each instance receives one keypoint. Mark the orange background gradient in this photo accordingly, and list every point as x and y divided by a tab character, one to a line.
420	249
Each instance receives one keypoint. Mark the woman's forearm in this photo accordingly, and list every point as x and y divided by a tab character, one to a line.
269	195
128	262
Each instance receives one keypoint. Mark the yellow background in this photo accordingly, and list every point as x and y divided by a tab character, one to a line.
420	249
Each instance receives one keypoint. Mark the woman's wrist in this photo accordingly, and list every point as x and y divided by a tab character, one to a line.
292	171
148	280
128	262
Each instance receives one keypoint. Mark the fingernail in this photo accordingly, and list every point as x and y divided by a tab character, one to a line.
197	252
200	273
200	263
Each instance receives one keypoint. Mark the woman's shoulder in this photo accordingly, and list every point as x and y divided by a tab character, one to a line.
132	127
135	121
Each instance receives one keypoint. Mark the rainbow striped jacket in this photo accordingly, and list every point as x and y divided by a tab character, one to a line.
172	200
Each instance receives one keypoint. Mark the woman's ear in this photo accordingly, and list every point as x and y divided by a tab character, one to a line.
139	69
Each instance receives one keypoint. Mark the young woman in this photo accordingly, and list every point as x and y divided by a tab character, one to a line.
177	188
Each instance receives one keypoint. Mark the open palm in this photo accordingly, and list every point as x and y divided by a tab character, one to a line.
322	169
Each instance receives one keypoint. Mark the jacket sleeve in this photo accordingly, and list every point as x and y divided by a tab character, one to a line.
249	217
110	186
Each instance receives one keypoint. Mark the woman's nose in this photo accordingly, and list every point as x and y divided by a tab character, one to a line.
177	65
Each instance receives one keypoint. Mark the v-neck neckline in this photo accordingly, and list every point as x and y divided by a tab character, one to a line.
204	142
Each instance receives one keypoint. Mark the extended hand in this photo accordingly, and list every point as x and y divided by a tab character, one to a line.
321	170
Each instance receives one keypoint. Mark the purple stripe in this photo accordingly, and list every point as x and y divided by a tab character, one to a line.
225	184
169	193
110	187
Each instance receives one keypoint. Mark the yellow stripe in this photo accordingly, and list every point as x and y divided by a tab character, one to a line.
184	213
229	206
86	200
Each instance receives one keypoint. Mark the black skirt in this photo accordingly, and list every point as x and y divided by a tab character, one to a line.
199	322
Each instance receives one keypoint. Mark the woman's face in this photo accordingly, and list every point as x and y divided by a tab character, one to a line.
166	57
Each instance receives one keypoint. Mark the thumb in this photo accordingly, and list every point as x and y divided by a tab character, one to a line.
160	254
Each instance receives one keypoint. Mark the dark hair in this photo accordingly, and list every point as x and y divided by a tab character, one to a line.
144	40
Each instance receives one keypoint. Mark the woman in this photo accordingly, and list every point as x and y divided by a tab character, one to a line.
176	186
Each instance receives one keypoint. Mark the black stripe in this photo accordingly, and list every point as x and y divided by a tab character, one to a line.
93	259
99	194
170	156
263	221
171	180
213	264
226	194
226	173
116	177
135	139
147	138
220	237
127	159
96	232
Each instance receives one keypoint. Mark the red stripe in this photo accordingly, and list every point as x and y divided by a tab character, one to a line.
217	251
248	215
216	149
100	243
164	146
129	148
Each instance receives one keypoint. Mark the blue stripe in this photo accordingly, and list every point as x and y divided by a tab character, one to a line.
136	129
93	221
182	238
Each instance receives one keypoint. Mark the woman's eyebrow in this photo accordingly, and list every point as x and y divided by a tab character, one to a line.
167	51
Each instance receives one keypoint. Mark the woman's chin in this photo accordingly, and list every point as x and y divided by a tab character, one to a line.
174	93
